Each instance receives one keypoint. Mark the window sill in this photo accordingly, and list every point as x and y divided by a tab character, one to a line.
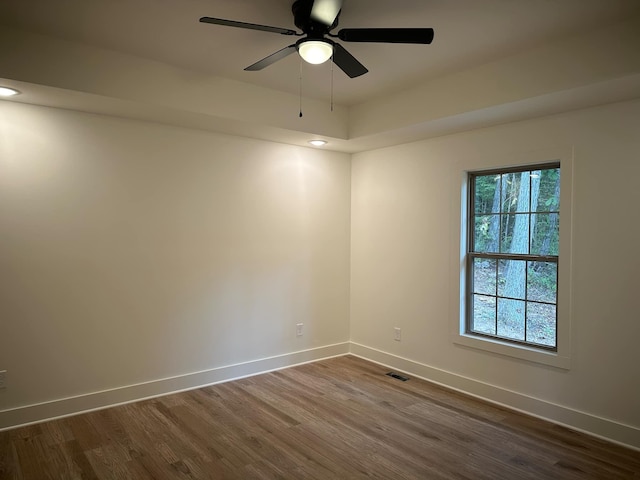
521	352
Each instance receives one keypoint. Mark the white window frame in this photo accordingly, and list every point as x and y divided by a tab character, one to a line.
560	358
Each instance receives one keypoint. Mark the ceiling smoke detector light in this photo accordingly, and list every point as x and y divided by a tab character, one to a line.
318	143
315	51
8	92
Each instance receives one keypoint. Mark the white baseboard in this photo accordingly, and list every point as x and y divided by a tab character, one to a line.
603	428
40	412
606	429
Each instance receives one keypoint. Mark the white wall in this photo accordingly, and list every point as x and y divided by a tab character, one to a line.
135	254
403	216
132	252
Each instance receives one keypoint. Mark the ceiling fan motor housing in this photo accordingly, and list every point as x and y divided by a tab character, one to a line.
302	18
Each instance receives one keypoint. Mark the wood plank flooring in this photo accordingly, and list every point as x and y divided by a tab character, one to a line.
341	418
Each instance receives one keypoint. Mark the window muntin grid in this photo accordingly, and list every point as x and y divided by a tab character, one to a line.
512	255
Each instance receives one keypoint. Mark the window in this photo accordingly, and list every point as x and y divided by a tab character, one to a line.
512	255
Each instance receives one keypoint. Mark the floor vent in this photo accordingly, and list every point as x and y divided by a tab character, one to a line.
397	376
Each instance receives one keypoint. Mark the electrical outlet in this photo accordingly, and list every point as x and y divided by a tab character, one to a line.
299	329
397	334
3	379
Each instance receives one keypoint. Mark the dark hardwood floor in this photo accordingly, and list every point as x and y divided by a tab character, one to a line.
341	418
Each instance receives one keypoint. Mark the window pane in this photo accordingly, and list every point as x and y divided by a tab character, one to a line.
514	213
546	233
514	235
511	281
518	193
534	189
542	281
511	318
541	324
484	314
487	194
510	189
486	230
549	195
484	276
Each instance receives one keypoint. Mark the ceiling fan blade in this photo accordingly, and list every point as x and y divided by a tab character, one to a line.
347	62
250	26
326	11
273	58
387	35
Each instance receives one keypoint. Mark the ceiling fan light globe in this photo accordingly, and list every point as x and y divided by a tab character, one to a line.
315	51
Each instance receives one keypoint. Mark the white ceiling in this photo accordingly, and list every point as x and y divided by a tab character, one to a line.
468	33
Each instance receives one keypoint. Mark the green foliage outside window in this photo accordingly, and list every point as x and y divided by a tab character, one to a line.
513	255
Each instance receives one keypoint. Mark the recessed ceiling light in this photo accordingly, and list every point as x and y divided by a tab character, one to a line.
318	143
8	92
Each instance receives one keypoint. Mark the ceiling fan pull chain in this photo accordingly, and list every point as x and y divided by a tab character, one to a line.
300	87
332	82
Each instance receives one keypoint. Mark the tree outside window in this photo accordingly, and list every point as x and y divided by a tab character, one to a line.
512	284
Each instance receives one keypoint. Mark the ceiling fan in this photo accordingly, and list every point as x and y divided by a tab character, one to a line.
316	19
